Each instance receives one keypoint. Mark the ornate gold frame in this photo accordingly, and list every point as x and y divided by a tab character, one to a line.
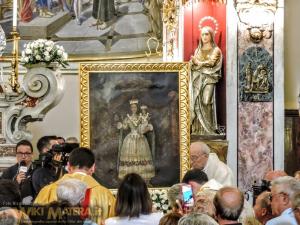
183	73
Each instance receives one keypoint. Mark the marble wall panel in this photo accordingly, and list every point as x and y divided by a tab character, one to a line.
255	112
255	142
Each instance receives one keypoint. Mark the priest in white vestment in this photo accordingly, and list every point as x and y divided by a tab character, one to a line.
201	158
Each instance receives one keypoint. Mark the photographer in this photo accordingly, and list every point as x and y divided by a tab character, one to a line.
21	172
265	183
52	161
44	173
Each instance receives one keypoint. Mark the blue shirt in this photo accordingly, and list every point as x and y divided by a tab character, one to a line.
287	217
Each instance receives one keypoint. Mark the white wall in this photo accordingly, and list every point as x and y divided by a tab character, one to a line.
292	53
64	119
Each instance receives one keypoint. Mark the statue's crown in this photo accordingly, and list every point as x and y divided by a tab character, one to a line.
133	101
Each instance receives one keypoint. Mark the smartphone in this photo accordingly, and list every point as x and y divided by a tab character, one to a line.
187	196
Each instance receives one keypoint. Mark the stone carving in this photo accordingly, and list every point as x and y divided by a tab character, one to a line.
170	20
264	11
41	90
256	75
257	81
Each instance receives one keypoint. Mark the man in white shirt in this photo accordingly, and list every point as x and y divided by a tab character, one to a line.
282	190
201	158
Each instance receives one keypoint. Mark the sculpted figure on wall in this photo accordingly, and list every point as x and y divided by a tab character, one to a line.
206	64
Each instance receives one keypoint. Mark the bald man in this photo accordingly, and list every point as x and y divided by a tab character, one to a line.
229	203
201	158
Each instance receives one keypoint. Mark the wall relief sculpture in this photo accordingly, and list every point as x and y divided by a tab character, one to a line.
256	75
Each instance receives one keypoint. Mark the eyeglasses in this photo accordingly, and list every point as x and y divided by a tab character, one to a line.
26	154
196	157
273	195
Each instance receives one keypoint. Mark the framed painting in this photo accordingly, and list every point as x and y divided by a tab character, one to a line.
135	117
89	29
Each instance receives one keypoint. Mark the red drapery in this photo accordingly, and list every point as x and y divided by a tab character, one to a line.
216	1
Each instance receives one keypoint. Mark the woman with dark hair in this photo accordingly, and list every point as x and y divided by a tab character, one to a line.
134	205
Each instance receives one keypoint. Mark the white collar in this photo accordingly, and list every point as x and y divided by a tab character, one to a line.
79	172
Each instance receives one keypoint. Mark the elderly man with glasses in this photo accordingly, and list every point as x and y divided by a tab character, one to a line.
282	191
209	163
21	172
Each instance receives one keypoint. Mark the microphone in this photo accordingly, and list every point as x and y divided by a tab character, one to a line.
23	168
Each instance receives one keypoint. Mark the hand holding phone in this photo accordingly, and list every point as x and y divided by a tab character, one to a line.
187	197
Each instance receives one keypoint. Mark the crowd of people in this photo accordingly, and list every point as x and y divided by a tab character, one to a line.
43	192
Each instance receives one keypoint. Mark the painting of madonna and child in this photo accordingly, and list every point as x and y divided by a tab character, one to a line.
134	126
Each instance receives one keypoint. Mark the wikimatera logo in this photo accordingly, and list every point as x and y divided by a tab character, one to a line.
60	212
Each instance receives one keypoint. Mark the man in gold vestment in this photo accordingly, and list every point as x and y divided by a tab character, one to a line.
81	166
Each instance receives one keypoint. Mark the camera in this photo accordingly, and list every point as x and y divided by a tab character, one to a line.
57	156
258	189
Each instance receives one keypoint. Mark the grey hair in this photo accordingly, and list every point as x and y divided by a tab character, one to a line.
288	185
174	193
7	218
203	147
71	191
197	219
296	200
72	140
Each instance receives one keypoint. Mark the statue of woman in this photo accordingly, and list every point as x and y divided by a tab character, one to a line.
134	153
206	67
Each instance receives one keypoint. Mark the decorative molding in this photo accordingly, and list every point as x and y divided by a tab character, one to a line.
171	25
41	90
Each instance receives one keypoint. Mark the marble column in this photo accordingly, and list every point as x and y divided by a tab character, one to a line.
255	107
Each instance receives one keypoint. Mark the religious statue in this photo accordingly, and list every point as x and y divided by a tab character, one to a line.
134	154
206	64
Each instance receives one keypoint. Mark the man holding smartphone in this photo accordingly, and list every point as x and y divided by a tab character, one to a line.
21	172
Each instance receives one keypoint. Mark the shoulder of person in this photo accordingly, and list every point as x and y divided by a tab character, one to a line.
115	221
153	217
10	172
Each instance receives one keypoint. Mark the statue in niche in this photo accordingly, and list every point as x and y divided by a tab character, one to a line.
206	64
134	154
257	81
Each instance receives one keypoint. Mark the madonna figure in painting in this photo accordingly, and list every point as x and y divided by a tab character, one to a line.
206	71
134	154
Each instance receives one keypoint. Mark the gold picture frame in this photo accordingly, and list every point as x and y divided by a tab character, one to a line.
98	76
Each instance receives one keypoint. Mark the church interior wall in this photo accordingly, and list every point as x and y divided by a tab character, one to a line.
64	119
